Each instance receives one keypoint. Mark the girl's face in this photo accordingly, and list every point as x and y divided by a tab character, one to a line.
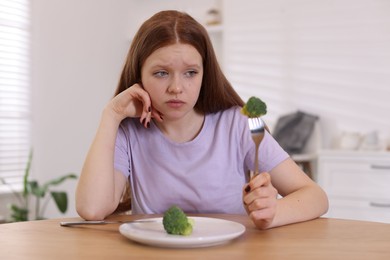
172	75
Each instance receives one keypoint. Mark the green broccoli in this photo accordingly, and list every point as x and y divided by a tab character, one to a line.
255	107
175	222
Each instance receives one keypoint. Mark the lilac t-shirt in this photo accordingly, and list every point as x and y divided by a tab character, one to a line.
205	175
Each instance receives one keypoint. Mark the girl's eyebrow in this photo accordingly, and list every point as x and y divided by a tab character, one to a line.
164	65
197	66
193	64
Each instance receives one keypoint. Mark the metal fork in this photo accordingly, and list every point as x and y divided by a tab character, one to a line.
104	222
257	127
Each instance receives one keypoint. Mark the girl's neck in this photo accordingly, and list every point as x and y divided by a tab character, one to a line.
184	129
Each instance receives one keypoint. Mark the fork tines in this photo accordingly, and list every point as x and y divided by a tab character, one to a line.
256	125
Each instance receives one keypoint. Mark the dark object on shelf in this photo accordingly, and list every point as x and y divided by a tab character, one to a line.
293	130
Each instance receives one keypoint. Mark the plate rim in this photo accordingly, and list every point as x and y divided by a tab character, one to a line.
185	242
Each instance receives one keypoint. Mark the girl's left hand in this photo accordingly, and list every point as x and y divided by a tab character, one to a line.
260	200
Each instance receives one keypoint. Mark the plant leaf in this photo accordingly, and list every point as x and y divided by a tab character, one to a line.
59	180
26	173
61	200
35	189
18	213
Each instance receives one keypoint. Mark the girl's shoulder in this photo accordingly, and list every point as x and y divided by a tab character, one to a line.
230	116
232	112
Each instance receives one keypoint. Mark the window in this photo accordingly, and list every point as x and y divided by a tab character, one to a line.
14	89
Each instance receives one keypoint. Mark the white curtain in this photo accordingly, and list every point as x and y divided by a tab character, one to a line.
14	89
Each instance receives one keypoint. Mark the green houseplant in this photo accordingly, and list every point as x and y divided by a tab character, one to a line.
31	188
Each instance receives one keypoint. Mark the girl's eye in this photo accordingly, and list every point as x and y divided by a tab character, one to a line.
191	73
160	74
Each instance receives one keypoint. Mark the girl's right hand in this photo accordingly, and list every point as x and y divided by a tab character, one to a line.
134	102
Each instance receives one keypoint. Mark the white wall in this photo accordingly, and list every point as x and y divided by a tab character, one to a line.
78	49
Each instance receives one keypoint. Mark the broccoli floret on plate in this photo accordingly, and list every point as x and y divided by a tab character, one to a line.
255	107
176	222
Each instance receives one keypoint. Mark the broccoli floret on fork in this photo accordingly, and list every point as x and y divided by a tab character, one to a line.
255	107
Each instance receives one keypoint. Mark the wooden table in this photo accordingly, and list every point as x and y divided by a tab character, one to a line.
317	239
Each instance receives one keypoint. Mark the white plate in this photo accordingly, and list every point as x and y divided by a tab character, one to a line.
206	232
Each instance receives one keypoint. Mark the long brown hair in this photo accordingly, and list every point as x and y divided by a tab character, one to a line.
169	27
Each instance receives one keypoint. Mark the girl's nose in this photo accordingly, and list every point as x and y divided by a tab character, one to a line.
176	86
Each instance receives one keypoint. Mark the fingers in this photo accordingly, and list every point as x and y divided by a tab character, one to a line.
259	180
146	116
144	111
137	103
260	199
256	189
148	112
157	115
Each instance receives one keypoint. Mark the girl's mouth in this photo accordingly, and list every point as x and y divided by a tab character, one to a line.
175	103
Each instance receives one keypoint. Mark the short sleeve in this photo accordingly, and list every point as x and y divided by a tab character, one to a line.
270	153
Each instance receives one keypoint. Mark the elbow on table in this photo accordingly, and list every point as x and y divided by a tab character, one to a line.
326	204
322	202
88	212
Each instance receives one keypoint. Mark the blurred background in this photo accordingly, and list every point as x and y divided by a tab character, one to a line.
329	58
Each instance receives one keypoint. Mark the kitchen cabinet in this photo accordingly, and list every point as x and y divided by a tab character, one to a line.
357	184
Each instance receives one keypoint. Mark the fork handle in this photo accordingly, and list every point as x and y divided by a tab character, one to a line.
253	174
